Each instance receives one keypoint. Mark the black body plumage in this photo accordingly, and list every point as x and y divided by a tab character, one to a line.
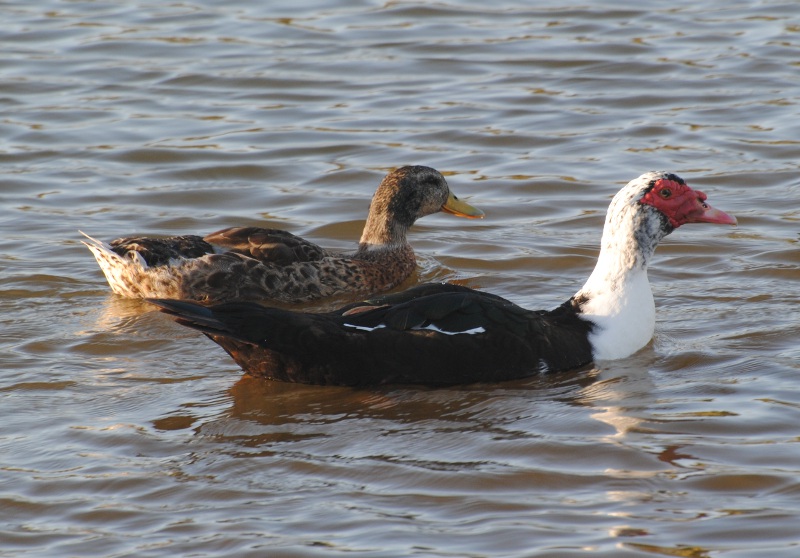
433	334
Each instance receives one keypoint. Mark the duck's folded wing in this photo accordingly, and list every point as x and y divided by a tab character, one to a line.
451	335
408	295
162	251
443	308
273	246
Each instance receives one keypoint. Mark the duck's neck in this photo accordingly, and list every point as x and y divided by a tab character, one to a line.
382	232
617	298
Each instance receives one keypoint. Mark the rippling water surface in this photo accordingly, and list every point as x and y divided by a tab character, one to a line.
124	434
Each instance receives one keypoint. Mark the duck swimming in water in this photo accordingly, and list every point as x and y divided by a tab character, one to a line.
271	265
439	334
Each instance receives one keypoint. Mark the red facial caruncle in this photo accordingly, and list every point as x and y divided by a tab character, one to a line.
681	204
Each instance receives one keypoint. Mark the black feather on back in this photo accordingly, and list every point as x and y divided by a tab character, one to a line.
433	334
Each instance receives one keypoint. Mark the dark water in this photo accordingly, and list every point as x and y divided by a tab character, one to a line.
123	434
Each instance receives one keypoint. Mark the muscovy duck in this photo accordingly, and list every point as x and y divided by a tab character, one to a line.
271	265
439	334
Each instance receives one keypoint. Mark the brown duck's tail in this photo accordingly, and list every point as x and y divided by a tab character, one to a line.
120	272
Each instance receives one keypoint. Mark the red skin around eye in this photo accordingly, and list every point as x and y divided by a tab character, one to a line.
684	205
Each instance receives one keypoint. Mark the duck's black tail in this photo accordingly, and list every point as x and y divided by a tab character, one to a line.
266	342
223	320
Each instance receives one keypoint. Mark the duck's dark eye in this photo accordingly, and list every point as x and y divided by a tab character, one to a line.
665	193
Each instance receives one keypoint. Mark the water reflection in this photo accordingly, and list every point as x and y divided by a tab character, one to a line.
266	403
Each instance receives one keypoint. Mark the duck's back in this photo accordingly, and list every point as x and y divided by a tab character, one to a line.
431	334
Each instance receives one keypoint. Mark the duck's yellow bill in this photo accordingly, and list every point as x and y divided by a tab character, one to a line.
461	209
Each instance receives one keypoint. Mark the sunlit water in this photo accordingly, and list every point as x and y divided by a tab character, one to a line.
123	434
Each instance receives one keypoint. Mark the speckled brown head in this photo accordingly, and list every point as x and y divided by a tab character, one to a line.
404	196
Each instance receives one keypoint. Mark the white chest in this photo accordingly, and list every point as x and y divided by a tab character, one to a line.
624	316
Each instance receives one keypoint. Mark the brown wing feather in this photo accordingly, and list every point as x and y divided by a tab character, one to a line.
159	251
266	245
233	276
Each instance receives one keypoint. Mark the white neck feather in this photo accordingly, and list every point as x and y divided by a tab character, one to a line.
617	296
624	315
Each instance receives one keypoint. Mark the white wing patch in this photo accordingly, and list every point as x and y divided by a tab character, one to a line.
365	328
472	331
544	368
429	327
